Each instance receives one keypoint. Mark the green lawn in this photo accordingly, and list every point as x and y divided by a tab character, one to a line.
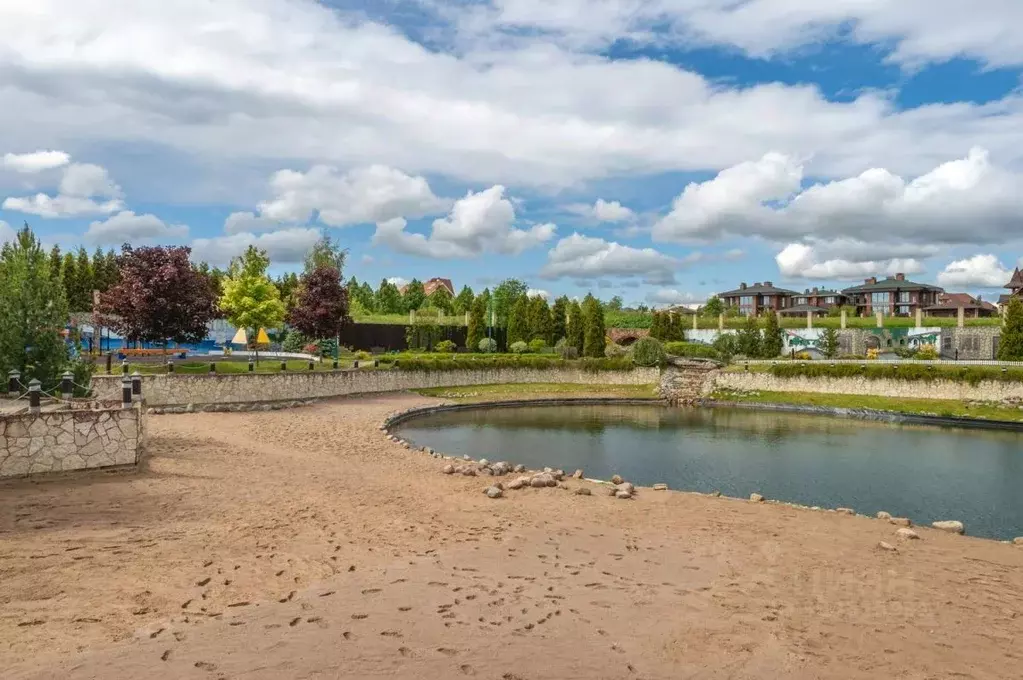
481	393
934	407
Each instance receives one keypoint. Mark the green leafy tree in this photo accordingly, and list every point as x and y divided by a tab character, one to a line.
540	322
488	306
595	339
250	299
441	299
388	298
505	295
69	276
477	324
657	326
828	343
1010	347
772	344
559	319
287	286
615	304
56	262
713	307
33	312
414	295
464	301
747	341
86	283
518	321
576	327
326	252
366	297
321	303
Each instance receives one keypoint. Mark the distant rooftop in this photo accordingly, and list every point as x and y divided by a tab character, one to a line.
765	288
899	282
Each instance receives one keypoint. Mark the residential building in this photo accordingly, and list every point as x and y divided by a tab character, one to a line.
816	301
1015	286
752	300
948	305
430	287
893	296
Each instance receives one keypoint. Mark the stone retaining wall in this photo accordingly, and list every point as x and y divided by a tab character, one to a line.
58	441
988	390
242	388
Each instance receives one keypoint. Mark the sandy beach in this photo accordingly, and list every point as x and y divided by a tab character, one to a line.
302	544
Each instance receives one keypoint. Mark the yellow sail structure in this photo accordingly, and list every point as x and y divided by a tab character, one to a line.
262	338
240	338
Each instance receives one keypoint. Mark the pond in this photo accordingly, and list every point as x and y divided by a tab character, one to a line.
923	472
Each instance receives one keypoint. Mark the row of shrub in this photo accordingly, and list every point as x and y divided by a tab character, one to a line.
901	371
692	350
475	363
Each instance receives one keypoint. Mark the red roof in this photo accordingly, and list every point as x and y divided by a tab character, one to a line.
431	286
1016	282
965	300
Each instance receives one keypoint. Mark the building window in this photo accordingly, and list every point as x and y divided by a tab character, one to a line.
746	305
830	300
904	296
946	342
801	300
880	302
904	310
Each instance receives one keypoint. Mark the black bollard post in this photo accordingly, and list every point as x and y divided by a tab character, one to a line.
311	366
67	382
136	386
213	367
13	384
252	366
124	367
125	392
34	395
284	365
355	364
170	365
110	361
335	364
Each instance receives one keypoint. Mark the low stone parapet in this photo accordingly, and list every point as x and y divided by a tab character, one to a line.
64	440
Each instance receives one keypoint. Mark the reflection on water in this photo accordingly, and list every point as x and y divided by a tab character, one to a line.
923	472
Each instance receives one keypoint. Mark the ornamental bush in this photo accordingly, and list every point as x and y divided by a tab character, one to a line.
487	345
537	345
446	346
613	350
648	352
691	350
519	347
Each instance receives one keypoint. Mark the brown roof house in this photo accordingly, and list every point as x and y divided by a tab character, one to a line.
949	303
430	287
893	296
817	302
752	300
1015	286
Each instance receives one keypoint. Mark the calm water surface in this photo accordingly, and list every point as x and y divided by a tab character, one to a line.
922	472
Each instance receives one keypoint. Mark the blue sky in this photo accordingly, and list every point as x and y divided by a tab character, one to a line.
661	150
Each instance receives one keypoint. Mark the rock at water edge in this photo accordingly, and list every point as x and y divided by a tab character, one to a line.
907	534
578	474
951	526
845	511
623	495
660	487
756	498
616	479
900	521
884	515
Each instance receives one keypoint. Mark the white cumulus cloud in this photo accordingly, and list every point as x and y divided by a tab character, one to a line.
583	258
603	211
127	227
983	271
538	292
84	189
843	261
285	246
479	223
35	162
671	297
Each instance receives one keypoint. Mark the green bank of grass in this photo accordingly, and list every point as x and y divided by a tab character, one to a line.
931	407
482	393
874	370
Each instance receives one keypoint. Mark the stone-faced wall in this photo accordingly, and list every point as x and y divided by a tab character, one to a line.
244	388
972	342
59	441
988	390
684	381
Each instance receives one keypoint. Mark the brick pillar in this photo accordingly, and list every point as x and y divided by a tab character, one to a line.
961	321
696	324
919	317
721	322
809	319
880	319
843	319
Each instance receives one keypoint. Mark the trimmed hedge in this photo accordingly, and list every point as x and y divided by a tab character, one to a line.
691	350
904	371
525	361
